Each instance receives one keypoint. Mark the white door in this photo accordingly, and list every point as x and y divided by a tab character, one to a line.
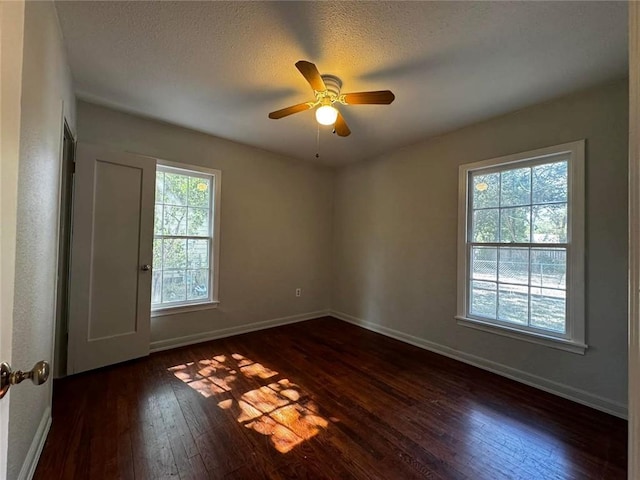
111	254
11	34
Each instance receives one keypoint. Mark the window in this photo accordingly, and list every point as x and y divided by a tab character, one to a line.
521	246
185	240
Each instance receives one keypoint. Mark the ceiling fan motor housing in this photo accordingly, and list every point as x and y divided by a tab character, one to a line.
333	84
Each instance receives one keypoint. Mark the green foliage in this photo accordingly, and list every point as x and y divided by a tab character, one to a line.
521	205
515	187
514	225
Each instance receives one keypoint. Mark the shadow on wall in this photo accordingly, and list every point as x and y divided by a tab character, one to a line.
278	409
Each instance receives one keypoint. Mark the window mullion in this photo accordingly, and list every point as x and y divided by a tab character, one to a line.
162	271
529	290
211	267
520	245
186	271
529	249
497	281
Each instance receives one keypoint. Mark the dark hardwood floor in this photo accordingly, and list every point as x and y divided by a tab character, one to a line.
319	400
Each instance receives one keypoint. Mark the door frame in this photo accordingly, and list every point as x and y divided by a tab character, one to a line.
634	242
60	332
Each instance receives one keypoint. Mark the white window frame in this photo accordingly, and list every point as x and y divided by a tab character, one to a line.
214	255
574	338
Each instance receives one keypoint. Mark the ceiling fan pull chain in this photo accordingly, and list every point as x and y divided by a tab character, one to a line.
318	142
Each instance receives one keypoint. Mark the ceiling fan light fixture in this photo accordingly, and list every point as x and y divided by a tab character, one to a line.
326	115
327	90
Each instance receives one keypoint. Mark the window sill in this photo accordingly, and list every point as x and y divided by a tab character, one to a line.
162	312
541	339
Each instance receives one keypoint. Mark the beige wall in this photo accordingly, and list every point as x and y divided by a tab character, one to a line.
46	92
377	240
275	223
395	239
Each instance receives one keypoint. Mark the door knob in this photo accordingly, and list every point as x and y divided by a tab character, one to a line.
145	268
38	375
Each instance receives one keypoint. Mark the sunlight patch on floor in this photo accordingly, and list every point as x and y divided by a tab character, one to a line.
279	409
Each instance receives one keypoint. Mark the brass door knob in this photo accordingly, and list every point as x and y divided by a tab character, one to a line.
38	375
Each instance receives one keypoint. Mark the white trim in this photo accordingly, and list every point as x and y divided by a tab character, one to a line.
160	345
634	242
575	322
532	337
192	307
577	395
35	450
186	167
56	278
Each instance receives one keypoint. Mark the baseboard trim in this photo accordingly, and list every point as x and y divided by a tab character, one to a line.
168	344
35	450
577	395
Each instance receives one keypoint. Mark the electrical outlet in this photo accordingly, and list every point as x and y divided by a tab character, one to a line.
298	292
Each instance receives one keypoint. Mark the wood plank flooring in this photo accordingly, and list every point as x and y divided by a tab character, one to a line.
321	399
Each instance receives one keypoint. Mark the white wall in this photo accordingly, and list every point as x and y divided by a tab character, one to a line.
46	87
275	223
395	243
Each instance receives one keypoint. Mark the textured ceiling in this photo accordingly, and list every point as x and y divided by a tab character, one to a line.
221	67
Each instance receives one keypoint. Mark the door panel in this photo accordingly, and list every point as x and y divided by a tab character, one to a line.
110	298
116	227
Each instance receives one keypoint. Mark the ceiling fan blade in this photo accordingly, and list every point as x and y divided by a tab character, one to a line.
311	73
341	126
381	97
284	112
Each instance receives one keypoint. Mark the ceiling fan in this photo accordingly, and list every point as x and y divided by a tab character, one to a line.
326	89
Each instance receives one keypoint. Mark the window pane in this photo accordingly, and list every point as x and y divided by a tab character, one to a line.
484	299
174	253
515	187
514	225
159	187
157	253
175	189
550	223
199	190
548	309
175	220
484	263
173	286
550	182
485	225
157	220
548	268
198	222
486	190
156	287
197	284
514	266
513	304
198	254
